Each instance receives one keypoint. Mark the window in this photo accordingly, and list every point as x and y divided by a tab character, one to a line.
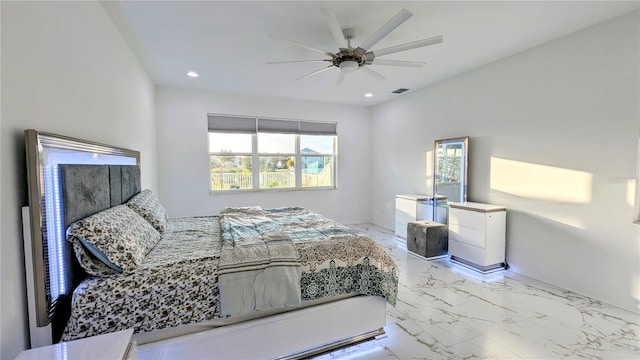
277	154
266	154
317	160
230	161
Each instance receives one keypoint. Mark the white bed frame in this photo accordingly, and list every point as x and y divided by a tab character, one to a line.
291	335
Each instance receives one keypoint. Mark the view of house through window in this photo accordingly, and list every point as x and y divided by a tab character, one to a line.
274	154
317	160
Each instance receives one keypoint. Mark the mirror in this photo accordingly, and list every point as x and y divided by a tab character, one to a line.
450	174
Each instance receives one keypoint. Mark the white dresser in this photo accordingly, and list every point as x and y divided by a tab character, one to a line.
112	346
477	235
409	208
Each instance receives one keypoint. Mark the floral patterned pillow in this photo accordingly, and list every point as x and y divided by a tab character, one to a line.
147	205
91	264
117	237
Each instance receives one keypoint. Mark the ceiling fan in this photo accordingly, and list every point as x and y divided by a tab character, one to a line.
348	59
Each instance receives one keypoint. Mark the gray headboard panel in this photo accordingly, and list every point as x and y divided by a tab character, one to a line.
88	189
130	182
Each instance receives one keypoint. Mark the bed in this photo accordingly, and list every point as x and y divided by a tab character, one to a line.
133	267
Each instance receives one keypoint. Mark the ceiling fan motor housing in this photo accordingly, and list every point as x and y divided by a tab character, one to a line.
359	55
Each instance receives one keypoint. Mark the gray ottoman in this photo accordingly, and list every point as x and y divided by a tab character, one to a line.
428	239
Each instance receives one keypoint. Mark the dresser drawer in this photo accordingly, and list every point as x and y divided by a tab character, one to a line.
467	235
406	206
404	217
466	251
401	229
473	219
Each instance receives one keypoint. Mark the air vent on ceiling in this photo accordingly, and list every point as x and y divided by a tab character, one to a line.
399	91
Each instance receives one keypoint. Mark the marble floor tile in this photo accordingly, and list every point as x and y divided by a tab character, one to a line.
482	347
373	350
446	311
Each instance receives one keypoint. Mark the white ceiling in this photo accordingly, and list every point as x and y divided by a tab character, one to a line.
226	41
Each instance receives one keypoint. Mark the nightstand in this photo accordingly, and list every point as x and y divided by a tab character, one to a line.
112	346
477	235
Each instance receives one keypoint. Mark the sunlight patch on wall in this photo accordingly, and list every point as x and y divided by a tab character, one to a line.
429	169
564	218
631	192
542	182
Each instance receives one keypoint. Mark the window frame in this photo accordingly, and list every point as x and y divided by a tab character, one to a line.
297	156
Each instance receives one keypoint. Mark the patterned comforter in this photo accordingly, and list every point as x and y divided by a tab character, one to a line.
259	266
177	283
336	260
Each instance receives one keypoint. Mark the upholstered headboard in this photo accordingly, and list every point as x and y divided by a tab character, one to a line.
88	189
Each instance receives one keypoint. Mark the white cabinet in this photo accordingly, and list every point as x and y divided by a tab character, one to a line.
477	235
116	346
409	208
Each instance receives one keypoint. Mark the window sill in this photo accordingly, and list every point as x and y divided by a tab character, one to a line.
227	192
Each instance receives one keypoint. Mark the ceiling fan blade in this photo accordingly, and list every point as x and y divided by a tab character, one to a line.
395	21
396	63
297	61
316	72
335	27
408	46
374	74
274	37
340	78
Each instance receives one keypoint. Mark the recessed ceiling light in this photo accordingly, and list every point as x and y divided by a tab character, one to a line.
192	74
368	95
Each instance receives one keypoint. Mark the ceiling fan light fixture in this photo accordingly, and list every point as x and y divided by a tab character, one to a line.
349	66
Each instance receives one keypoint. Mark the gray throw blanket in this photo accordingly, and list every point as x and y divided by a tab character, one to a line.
259	266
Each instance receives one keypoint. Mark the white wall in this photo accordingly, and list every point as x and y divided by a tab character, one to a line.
183	160
66	70
554	133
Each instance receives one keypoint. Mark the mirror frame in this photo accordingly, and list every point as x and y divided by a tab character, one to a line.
465	165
